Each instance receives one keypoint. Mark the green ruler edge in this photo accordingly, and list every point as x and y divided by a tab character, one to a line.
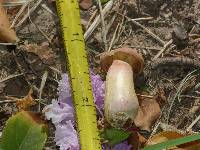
69	13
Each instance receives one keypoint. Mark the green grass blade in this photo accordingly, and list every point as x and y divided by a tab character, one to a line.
174	142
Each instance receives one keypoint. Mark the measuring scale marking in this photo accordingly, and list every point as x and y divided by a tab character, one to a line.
69	13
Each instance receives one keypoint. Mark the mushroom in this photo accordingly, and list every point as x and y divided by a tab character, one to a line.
121	103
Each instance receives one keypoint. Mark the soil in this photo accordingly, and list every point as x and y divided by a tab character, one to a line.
175	20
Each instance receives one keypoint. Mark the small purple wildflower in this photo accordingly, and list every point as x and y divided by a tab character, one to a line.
66	136
64	90
122	146
98	87
61	112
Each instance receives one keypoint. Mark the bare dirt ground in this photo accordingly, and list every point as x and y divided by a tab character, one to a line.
166	32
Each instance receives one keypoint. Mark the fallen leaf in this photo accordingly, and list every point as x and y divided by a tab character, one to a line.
115	136
26	102
6	34
85	4
163	136
136	140
24	131
148	113
160	97
43	51
170	135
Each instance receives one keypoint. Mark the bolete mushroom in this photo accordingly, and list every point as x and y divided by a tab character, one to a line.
121	103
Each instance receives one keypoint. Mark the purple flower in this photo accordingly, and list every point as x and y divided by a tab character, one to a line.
122	146
64	90
61	112
98	88
66	136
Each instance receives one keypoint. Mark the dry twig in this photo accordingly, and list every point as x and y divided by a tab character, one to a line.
103	26
147	30
44	79
19	13
193	123
42	32
11	77
163	49
29	13
113	38
96	22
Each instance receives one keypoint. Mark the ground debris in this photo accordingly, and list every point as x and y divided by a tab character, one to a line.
43	51
180	36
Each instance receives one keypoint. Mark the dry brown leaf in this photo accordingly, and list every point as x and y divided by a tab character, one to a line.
148	113
136	140
169	135
85	4
163	136
6	34
26	102
44	52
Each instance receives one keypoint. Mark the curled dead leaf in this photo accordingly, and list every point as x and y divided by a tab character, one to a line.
148	113
26	102
170	135
44	52
6	34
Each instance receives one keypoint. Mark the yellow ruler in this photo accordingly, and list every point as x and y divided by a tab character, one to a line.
69	13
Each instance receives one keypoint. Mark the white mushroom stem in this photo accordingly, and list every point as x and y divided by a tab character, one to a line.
121	103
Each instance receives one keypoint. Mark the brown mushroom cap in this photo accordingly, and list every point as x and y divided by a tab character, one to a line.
128	55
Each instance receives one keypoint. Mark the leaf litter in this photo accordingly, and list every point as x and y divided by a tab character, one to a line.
151	37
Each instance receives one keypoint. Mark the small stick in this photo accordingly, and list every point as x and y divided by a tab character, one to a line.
55	70
21	70
147	30
108	26
146	96
113	38
155	128
120	30
103	26
166	127
8	101
91	18
19	13
27	15
11	77
97	19
42	32
140	19
7	44
14	100
48	9
44	79
150	48
193	123
16	3
178	61
162	50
